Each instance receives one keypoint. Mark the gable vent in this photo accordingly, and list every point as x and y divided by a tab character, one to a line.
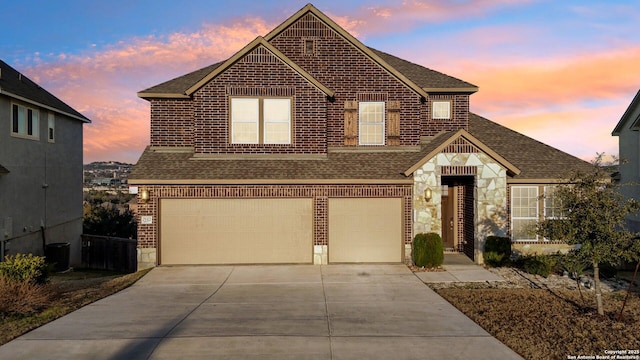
308	26
461	146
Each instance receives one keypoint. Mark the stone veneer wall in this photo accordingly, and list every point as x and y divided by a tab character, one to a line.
148	233
490	203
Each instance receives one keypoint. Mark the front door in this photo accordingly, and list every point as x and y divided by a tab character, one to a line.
449	218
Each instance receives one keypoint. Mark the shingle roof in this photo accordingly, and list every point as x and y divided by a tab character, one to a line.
180	84
162	165
535	160
14	84
424	77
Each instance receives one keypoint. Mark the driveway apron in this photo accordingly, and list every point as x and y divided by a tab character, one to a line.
265	312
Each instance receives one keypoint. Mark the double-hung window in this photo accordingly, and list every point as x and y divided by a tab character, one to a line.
25	122
441	110
524	212
371	123
260	120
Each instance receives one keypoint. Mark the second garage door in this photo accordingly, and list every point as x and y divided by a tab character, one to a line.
365	230
236	231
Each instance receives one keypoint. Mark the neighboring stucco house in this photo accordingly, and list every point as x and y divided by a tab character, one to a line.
629	153
40	168
307	146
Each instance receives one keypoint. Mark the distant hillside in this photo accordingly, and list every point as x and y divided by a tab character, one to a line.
105	172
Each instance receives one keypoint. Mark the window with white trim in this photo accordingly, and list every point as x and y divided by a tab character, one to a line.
260	120
441	110
25	122
524	212
51	128
371	123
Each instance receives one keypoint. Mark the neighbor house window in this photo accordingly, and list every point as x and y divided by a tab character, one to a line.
25	122
371	123
524	212
51	132
441	109
260	121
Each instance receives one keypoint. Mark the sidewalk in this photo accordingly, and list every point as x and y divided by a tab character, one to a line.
458	268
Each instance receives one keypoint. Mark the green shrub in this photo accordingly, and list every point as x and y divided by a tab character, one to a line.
28	268
494	259
497	250
572	265
541	265
428	250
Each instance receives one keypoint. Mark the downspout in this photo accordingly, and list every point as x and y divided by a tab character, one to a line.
43	224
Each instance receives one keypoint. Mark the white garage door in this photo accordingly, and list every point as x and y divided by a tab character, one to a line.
365	230
236	231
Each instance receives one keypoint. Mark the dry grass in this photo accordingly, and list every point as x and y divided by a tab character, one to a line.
71	291
23	296
550	323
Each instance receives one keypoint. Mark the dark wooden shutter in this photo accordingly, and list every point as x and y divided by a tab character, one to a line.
393	123
351	123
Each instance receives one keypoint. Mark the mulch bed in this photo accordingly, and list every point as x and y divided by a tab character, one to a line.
549	322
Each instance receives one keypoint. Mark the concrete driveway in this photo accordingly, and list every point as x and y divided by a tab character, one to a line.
265	312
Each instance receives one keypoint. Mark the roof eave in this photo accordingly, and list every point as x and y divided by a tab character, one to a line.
252	45
265	181
468	90
149	95
634	103
511	169
27	100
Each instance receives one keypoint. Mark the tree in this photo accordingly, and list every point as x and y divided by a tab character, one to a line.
109	221
593	219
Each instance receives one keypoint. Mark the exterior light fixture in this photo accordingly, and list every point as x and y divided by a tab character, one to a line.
427	194
144	196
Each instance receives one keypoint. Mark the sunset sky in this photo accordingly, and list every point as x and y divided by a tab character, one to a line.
562	72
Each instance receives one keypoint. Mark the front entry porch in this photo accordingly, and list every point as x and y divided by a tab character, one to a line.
460	193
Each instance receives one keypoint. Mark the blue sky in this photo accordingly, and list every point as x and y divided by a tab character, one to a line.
562	72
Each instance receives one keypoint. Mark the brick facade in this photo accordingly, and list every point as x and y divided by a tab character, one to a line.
351	74
203	121
171	122
260	73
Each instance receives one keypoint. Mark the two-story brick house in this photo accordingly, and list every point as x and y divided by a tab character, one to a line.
40	168
306	146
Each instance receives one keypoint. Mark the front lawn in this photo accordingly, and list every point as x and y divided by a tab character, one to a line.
550	323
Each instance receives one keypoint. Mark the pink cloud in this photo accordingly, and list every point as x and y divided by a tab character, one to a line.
102	84
406	14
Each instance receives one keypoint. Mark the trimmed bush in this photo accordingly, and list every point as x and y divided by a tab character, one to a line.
541	265
27	268
497	250
428	250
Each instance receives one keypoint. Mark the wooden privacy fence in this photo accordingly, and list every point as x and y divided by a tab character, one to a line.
109	253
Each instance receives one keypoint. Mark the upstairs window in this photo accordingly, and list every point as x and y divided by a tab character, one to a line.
441	110
25	122
371	123
51	132
260	120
